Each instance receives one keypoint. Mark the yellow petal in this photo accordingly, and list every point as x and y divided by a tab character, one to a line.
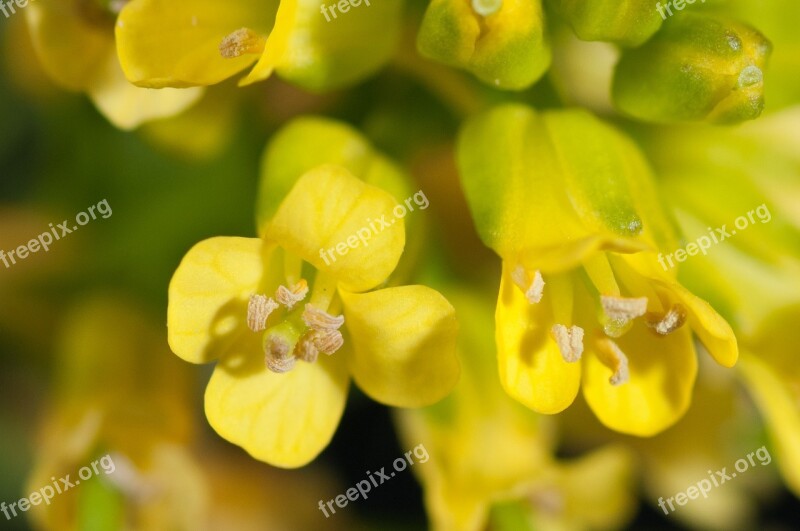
70	48
208	296
176	44
781	411
532	369
277	43
341	225
284	419
662	372
127	106
403	344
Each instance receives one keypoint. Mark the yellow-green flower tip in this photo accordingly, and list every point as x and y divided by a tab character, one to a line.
555	186
309	142
625	23
697	68
502	42
200	42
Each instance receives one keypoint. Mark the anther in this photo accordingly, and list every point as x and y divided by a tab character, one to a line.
317	319
623	308
673	320
532	287
290	297
569	341
278	354
258	310
240	42
612	357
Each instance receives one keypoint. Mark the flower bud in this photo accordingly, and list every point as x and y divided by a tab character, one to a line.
695	68
502	42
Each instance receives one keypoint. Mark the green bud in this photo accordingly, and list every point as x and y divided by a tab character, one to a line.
333	45
502	42
626	23
695	68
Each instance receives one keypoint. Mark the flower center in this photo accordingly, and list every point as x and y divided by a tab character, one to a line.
301	331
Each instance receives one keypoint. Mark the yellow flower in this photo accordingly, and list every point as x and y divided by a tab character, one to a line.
491	457
75	42
125	417
202	42
569	205
276	310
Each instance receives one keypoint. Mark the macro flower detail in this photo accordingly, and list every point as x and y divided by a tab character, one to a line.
502	42
75	42
200	42
695	68
568	204
285	360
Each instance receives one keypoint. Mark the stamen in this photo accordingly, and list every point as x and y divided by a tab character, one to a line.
533	288
306	350
240	42
673	320
258	310
291	297
623	308
317	319
327	341
569	340
316	341
278	354
612	357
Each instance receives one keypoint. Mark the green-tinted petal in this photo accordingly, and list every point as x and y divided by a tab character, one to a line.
548	189
507	49
695	68
308	142
403	344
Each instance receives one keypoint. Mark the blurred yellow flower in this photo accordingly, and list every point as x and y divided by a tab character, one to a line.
75	42
398	342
